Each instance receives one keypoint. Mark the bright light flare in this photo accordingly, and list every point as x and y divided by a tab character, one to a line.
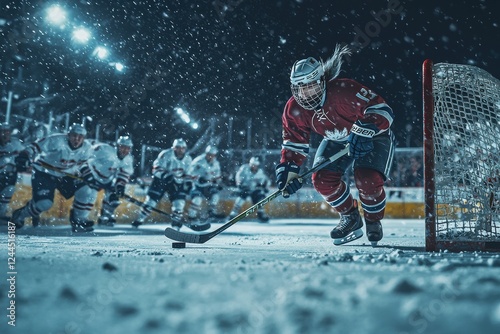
101	52
56	15
81	35
183	115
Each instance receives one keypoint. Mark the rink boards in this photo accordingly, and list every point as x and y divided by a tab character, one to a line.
401	203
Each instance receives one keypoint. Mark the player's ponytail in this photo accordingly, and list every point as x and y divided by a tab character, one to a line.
333	65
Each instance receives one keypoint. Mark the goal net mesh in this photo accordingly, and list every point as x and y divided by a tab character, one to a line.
466	153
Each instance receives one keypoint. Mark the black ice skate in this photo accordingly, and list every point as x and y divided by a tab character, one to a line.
106	221
137	223
16	217
215	215
349	228
197	225
79	224
374	232
262	217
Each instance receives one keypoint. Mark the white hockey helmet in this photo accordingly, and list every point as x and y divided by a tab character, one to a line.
254	161
124	141
78	129
179	142
211	150
308	83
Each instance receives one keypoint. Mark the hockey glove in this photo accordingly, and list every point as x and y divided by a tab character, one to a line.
187	186
360	139
22	161
167	177
287	178
88	178
119	189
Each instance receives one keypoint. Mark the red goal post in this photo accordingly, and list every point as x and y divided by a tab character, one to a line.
461	158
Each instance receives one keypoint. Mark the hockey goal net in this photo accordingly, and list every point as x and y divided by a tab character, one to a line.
461	158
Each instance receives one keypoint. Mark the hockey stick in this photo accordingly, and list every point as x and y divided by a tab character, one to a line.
142	205
127	197
202	238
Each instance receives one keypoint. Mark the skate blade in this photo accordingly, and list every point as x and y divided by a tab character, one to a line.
348	238
374	243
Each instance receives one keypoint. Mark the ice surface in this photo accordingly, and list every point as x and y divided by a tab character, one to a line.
282	277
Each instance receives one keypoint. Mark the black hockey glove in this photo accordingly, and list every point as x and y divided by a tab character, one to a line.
22	161
360	139
218	185
187	186
202	180
119	189
287	178
167	177
88	178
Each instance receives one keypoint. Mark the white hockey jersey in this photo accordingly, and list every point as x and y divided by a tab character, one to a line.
167	162
55	151
202	171
103	163
245	178
125	169
8	153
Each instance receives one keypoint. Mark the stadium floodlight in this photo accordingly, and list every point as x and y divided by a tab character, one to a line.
81	35
183	115
101	52
119	67
56	15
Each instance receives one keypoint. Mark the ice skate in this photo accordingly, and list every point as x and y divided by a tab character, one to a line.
17	218
197	225
374	232
35	221
215	215
80	224
106	221
136	223
262	217
177	220
349	228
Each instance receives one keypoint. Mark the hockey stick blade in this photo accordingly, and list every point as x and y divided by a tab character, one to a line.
204	237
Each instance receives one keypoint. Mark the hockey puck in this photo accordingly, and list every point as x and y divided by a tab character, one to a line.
178	245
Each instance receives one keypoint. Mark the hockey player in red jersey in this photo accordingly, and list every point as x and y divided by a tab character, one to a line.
342	111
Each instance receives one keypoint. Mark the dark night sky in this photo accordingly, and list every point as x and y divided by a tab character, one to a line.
219	63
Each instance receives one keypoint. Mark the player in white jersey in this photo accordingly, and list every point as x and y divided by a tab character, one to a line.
97	173
206	172
49	155
9	149
125	170
169	176
253	183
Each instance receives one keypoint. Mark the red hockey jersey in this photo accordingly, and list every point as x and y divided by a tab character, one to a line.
347	101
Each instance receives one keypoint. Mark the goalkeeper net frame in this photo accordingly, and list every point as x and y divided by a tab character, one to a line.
461	158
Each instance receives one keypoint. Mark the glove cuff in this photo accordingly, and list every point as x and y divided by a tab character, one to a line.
362	131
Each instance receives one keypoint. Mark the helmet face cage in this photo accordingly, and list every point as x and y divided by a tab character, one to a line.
308	83
309	96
